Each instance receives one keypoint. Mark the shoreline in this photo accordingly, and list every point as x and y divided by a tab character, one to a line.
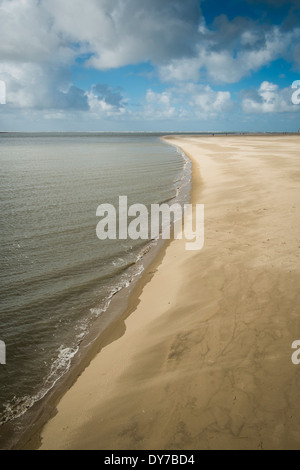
211	318
111	331
108	327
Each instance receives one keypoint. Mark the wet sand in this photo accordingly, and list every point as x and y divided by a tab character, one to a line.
205	358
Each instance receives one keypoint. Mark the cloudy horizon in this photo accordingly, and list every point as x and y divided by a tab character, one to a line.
141	65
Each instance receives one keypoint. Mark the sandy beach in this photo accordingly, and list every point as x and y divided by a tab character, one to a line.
203	361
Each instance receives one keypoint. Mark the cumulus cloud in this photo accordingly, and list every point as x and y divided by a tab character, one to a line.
40	40
124	32
27	34
211	102
180	70
203	101
269	98
32	85
232	52
187	101
169	33
160	105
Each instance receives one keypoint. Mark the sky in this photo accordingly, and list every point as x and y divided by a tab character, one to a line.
149	65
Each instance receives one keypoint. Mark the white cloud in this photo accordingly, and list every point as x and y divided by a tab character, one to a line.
221	67
229	61
180	70
40	40
27	35
31	85
159	106
171	34
122	32
100	107
163	98
276	43
211	102
204	102
249	38
269	98
187	101
230	66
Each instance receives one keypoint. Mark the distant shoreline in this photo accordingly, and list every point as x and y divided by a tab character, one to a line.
154	133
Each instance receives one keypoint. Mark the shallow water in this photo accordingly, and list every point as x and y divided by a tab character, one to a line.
56	275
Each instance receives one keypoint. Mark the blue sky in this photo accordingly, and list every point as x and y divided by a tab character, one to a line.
149	65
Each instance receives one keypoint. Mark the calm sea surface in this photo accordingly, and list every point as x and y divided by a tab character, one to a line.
56	276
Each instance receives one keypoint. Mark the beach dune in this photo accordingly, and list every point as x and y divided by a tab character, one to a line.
204	358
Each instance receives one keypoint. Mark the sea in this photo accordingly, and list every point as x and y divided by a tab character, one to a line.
57	278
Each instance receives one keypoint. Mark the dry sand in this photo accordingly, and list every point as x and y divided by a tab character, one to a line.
205	361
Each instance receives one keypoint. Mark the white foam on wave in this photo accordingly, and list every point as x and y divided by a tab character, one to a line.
187	172
59	367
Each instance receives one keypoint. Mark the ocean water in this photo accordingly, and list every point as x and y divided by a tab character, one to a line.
56	276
